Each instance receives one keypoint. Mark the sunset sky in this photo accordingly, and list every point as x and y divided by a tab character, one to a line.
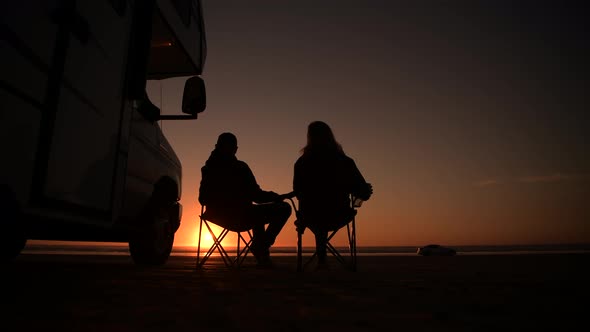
469	119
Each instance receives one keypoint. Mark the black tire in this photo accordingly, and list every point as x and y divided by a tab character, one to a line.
152	245
13	241
152	240
12	235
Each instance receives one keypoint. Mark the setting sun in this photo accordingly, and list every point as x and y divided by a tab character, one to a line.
206	239
229	242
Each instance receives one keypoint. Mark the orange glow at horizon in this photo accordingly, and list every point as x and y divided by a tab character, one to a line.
188	233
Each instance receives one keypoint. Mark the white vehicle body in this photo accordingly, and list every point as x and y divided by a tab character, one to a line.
82	149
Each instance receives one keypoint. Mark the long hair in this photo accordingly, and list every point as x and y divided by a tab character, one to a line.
321	138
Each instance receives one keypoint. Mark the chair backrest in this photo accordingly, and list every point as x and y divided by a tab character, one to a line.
230	222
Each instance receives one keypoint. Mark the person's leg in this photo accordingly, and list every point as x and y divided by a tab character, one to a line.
320	245
251	221
258	246
277	215
258	234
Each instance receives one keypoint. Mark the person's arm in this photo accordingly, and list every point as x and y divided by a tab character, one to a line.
204	189
360	187
255	192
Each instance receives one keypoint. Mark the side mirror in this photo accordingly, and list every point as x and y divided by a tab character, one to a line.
194	97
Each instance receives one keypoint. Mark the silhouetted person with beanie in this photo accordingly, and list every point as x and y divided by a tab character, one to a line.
229	190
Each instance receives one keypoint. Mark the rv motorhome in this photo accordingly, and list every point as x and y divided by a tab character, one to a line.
83	156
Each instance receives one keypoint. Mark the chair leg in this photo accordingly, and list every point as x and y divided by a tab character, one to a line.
238	248
335	253
198	266
237	259
313	256
300	265
351	231
211	250
332	249
299	253
352	243
216	245
241	254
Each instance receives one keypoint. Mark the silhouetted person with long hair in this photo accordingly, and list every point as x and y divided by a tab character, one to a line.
324	178
228	189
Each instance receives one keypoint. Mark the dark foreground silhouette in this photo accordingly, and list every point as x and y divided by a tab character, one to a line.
536	292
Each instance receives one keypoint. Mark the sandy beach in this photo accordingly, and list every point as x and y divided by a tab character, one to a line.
402	293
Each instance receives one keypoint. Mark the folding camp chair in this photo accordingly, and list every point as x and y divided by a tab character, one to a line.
242	247
349	262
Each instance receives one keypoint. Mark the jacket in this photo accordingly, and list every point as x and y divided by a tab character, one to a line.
227	190
323	183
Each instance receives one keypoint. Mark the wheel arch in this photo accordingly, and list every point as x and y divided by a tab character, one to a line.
167	188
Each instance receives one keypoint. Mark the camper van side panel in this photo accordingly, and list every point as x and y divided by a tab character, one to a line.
86	136
26	57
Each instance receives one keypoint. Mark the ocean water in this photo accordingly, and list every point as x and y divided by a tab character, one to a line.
122	249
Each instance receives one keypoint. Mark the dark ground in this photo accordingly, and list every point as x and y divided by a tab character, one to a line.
402	293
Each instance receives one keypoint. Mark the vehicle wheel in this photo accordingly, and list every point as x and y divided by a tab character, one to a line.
12	242
152	244
12	235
